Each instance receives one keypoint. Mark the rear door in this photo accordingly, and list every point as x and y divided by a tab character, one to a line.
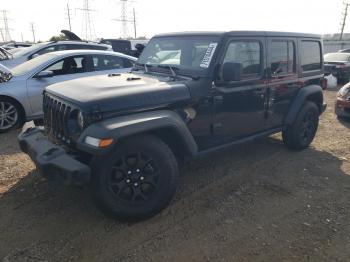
283	80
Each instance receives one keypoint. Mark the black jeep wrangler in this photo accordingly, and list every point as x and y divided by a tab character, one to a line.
122	135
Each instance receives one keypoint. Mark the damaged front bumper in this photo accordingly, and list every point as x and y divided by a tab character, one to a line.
53	161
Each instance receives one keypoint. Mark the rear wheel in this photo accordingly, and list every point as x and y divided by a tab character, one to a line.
136	180
11	116
300	134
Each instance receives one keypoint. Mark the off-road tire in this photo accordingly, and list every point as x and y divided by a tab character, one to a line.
300	134
121	199
15	112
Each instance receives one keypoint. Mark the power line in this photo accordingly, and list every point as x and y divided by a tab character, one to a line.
124	18
5	30
69	17
2	34
343	20
33	31
88	28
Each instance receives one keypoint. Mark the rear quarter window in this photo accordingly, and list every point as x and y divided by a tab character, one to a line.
311	55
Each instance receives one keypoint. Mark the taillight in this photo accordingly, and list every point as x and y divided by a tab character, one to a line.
323	83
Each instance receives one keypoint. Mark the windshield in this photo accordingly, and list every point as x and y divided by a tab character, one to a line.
28	50
189	53
31	64
337	57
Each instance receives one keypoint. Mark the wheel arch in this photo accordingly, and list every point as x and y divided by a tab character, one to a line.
165	124
311	93
20	106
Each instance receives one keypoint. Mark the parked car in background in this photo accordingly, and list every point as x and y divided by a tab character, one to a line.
344	51
47	47
4	54
339	65
21	87
342	104
123	136
15	50
14	45
128	47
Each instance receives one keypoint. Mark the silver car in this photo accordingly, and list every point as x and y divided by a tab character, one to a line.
28	53
21	87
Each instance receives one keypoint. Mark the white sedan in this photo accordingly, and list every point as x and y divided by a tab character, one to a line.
21	87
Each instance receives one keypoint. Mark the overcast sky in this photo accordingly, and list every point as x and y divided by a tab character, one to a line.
157	16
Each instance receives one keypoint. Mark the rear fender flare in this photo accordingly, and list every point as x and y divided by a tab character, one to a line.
304	94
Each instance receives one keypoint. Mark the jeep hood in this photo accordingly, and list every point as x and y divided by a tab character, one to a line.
121	92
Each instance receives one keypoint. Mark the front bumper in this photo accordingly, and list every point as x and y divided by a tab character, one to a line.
53	161
342	107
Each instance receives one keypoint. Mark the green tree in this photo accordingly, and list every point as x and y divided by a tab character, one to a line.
58	37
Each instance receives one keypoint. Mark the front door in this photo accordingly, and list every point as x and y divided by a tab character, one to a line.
239	107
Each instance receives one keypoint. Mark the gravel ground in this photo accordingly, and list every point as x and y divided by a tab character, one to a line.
255	202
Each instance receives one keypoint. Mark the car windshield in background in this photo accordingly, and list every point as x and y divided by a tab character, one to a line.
184	53
30	65
332	57
27	50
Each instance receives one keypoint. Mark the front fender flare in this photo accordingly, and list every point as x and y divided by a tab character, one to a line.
299	100
124	126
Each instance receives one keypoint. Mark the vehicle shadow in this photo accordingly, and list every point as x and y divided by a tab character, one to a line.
47	222
7	144
344	121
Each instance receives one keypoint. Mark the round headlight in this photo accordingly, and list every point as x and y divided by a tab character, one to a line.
80	120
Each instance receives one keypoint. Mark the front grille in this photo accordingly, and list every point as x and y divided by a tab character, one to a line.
57	114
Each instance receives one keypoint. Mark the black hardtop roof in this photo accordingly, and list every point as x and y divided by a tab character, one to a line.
241	33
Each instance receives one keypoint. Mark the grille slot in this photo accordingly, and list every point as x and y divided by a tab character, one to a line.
56	118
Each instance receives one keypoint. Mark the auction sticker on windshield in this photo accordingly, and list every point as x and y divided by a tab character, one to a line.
208	55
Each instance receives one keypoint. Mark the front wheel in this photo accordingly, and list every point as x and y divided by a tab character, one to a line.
300	134
10	115
137	180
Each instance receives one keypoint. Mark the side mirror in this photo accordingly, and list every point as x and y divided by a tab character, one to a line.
232	71
44	74
140	47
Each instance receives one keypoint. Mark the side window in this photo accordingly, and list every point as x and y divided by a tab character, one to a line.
95	47
61	47
71	65
282	57
105	62
74	47
248	53
128	63
45	50
310	55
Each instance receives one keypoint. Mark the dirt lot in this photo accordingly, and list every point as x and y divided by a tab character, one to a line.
256	202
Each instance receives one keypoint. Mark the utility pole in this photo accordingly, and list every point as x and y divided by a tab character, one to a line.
69	17
22	37
33	31
6	30
133	11
88	27
343	21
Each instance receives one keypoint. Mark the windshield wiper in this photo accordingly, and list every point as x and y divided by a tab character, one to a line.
145	67
171	68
